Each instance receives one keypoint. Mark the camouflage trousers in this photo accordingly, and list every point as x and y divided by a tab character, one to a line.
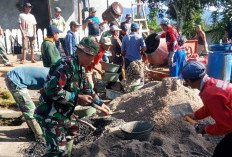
3	55
57	132
22	98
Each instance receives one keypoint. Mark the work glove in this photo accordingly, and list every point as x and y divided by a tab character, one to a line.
170	58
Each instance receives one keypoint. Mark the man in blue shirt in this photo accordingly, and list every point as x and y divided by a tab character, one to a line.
133	45
71	39
93	25
18	81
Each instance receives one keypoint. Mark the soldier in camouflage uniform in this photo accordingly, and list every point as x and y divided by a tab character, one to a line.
3	55
66	86
18	81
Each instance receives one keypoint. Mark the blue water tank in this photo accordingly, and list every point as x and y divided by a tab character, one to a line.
219	65
220	47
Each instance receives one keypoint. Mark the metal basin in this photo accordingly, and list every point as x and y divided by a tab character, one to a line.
110	77
109	67
139	130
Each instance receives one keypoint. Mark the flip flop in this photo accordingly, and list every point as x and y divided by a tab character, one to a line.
33	61
22	61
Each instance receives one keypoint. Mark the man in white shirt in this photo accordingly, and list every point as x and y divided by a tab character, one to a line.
27	26
59	22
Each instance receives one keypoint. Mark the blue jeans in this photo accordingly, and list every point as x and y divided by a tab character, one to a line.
62	41
179	61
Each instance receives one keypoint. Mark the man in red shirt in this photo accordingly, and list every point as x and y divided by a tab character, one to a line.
177	54
105	45
216	96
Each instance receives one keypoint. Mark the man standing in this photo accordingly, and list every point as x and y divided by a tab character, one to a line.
66	86
93	25
127	22
124	32
177	54
133	45
18	81
59	22
216	96
71	39
202	43
50	54
27	26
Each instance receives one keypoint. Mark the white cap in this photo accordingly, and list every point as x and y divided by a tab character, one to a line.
114	28
106	41
165	21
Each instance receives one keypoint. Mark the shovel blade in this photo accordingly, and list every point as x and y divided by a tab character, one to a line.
180	110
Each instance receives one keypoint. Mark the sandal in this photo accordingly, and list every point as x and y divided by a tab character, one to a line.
9	64
22	61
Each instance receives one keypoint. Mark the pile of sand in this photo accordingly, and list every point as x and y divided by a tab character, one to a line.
134	71
171	137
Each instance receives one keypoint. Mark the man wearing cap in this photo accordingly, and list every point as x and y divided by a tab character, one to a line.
216	96
127	22
27	26
71	39
124	32
177	54
18	81
59	22
110	32
105	44
133	45
93	25
50	53
65	87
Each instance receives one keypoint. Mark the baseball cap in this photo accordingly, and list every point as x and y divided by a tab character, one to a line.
135	26
165	21
88	46
114	28
193	70
125	27
28	5
128	15
57	9
52	29
74	23
92	9
106	41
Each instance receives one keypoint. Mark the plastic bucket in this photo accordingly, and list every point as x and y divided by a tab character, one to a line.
109	67
83	112
219	65
139	130
113	12
157	53
218	47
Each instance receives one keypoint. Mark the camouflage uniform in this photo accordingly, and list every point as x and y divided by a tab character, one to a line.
65	81
3	54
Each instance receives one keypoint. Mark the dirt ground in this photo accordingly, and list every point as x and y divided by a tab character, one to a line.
15	138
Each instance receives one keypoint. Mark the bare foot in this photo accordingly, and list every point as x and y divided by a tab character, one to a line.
33	61
22	61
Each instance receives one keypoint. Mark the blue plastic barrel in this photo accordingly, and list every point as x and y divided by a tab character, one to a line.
219	65
220	47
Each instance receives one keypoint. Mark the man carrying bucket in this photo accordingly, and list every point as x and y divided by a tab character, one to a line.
216	96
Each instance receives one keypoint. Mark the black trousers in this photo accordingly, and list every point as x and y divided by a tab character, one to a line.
224	147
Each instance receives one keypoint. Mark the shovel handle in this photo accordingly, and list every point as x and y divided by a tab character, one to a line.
99	108
190	120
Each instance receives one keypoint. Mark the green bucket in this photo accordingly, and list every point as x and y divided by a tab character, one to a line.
111	77
139	130
109	67
83	112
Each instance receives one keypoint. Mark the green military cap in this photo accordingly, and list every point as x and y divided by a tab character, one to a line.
89	46
92	10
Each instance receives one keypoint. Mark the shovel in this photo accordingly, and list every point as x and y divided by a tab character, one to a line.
181	110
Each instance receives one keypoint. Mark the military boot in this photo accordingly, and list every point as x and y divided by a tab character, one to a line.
35	127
